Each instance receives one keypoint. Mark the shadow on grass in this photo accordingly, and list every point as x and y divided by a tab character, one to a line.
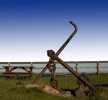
71	91
101	85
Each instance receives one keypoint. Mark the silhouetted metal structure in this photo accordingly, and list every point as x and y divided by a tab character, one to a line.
52	66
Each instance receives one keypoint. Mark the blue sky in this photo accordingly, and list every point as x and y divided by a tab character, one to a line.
28	28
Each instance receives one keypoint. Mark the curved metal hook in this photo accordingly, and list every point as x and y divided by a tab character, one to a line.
67	41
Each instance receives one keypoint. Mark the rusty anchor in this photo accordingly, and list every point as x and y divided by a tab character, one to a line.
51	66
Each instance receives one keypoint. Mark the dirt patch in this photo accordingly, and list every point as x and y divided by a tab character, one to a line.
48	89
65	93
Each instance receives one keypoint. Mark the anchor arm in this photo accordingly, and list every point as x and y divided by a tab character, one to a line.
68	40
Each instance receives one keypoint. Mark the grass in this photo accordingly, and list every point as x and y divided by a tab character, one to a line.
10	88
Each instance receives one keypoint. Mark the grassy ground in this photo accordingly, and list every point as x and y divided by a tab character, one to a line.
10	88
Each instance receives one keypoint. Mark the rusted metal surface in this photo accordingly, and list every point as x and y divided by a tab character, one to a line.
52	67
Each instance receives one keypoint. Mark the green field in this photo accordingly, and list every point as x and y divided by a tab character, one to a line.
11	88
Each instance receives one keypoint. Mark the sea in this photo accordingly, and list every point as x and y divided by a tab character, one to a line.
82	67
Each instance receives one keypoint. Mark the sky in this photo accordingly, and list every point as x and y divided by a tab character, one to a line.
28	28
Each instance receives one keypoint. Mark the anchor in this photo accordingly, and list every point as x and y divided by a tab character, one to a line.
51	66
